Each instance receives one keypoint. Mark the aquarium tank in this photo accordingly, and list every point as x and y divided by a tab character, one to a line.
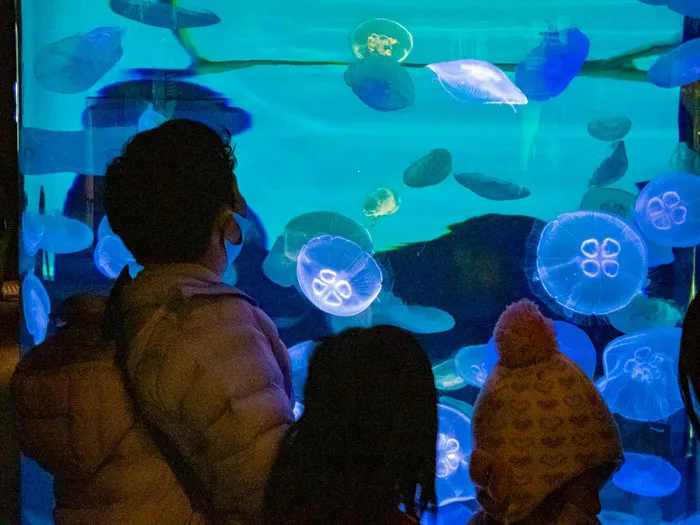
407	163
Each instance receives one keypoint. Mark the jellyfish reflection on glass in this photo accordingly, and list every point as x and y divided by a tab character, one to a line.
591	263
573	342
111	255
36	307
453	451
648	476
641	376
338	276
668	210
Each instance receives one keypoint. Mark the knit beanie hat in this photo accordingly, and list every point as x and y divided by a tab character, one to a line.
538	422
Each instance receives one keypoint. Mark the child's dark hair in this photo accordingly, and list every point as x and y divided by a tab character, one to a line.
366	442
164	192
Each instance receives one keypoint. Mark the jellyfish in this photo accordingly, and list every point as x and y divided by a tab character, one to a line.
460	406
36	307
381	83
453	451
491	188
678	67
104	229
77	63
644	313
32	232
646	475
447	377
668	210
280	263
641	376
64	235
610	517
430	169
299	356
591	263
298	410
382	37
549	68
477	82
111	255
163	14
613	167
451	514
471	364
573	342
381	202
338	276
609	129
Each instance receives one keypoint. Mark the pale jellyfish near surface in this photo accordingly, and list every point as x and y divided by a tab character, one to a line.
55	233
641	375
111	255
477	82
447	377
36	307
668	210
591	263
453	451
573	342
471	364
382	37
338	276
648	476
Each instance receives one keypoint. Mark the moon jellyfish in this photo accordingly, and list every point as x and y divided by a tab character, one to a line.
491	188
429	170
668	210
381	83
471	364
338	276
111	255
453	451
447	376
641	376
299	356
32	232
451	514
646	475
549	68
36	307
573	342
162	14
382	37
64	235
644	313
609	129
678	67
77	63
381	202
591	263
477	82
104	229
298	410
613	167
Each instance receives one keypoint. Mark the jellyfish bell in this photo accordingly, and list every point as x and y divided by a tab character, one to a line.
477	82
646	475
111	256
454	448
36	307
382	37
338	276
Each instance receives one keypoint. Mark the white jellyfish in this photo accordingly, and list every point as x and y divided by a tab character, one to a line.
36	307
447	377
453	452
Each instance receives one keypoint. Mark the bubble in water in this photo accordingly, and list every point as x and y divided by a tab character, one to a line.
338	276
648	476
641	376
382	37
36	307
453	451
668	210
591	263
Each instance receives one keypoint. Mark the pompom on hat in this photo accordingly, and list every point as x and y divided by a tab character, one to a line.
539	421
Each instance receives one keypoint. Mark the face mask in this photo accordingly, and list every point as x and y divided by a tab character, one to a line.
234	250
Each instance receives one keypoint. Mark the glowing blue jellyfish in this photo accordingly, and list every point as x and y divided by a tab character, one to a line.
36	307
477	82
111	256
77	63
678	67
382	37
104	229
453	451
610	517
64	235
668	210
641	376
381	83
299	355
298	410
338	276
648	476
451	514
471	364
591	263
573	342
549	68
32	232
447	377
645	312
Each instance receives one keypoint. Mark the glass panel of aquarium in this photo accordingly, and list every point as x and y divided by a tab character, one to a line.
408	163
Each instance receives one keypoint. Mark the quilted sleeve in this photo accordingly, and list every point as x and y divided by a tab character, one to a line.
217	383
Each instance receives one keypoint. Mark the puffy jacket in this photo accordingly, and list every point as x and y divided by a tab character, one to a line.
73	416
211	372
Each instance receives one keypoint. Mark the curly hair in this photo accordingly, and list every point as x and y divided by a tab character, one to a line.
164	192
